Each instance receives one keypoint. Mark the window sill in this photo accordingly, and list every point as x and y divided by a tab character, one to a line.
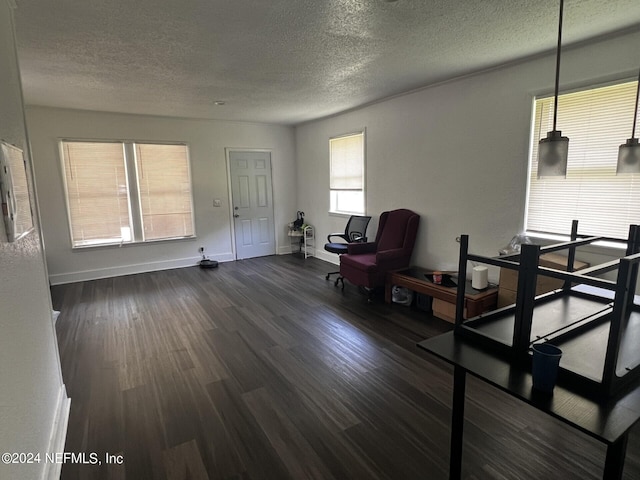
129	244
341	214
609	248
344	214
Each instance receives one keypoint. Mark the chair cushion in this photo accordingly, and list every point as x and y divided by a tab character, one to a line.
338	248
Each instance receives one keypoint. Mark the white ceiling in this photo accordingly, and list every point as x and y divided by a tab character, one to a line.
280	61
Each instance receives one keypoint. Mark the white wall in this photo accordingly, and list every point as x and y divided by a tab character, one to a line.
455	153
33	401
207	141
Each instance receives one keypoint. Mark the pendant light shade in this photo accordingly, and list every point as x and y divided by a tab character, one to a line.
553	151
629	152
552	155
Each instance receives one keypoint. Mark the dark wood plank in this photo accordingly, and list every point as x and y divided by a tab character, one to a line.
605	420
251	444
262	369
183	462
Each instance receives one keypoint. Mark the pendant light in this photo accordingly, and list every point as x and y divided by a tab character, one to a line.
554	150
629	153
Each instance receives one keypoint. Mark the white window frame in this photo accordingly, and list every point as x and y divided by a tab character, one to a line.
591	157
348	196
131	166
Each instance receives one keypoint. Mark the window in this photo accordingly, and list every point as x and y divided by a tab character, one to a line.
346	181
124	192
596	121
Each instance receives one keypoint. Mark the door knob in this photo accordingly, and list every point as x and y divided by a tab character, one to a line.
236	215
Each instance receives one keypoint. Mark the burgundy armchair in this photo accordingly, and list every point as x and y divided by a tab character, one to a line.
367	264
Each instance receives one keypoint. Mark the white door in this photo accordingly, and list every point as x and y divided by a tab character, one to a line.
252	203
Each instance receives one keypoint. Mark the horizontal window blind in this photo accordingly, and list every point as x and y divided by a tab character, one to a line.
596	121
120	192
347	162
165	190
97	193
346	174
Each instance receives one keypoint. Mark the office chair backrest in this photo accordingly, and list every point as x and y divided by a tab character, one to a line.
357	227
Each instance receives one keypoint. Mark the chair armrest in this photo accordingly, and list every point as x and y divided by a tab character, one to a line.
387	255
341	235
360	248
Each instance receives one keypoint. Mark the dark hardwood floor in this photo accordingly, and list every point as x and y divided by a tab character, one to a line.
262	369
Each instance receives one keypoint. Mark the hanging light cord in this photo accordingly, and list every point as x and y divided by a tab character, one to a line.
555	103
635	111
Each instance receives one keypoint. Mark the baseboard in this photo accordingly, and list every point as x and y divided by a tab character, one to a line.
328	257
313	253
318	253
58	434
82	276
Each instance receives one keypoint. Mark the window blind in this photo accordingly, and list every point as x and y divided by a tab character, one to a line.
97	193
596	121
347	162
127	192
164	187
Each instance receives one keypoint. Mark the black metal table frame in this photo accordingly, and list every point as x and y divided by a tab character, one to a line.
527	264
610	422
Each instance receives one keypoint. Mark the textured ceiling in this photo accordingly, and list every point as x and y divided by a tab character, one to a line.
279	61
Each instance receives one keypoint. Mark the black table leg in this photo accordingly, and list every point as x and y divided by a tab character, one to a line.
457	423
614	463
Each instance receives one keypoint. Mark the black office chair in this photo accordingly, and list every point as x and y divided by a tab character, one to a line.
355	231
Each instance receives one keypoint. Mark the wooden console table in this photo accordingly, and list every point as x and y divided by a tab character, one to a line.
415	279
608	421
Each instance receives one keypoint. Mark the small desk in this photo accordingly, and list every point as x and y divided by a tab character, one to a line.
608	421
415	279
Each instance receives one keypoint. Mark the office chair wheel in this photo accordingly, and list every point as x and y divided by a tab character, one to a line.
370	293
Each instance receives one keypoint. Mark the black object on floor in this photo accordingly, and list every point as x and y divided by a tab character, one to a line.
206	263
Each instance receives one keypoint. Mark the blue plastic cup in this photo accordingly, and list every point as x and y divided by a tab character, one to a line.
546	361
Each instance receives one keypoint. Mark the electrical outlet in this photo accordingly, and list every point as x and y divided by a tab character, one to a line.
217	202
